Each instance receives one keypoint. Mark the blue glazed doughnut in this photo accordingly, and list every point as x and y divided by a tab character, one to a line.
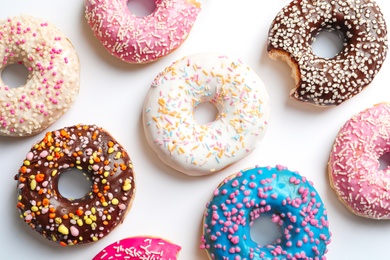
291	201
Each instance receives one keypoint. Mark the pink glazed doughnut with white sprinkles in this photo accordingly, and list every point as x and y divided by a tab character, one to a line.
354	163
53	81
141	39
142	247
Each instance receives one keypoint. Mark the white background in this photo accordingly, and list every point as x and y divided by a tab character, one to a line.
168	203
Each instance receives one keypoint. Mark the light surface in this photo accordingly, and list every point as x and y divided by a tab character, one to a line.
167	203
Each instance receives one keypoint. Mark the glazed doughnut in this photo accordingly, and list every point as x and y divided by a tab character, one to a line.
354	167
200	149
141	39
290	200
53	81
329	82
144	247
68	221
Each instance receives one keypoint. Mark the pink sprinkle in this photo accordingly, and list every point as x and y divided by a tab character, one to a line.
235	240
74	231
30	156
43	154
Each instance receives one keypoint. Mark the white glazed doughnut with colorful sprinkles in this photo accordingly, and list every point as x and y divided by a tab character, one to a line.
141	39
53	81
287	197
200	149
143	247
354	163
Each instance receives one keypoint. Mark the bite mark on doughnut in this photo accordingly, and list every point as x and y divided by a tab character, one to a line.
285	57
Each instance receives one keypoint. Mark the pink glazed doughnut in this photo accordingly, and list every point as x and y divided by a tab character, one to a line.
141	39
143	247
354	167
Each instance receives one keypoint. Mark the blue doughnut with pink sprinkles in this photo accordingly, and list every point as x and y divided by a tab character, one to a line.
291	201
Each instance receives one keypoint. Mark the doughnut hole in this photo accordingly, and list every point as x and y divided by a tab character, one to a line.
14	75
141	8
265	230
328	43
74	184
384	161
205	113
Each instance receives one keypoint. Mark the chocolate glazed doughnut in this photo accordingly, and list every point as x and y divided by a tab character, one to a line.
75	221
329	82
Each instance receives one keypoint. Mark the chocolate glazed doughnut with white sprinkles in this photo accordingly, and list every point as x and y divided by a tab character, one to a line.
67	221
329	82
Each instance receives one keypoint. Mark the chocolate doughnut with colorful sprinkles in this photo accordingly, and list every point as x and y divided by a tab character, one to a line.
286	196
68	221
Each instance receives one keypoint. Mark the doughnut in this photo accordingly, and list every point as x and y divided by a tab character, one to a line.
329	82
201	149
53	81
71	221
354	167
287	197
143	247
135	39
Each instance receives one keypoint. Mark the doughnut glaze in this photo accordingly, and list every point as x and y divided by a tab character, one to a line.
329	82
354	167
143	247
200	149
69	221
290	200
141	39
53	81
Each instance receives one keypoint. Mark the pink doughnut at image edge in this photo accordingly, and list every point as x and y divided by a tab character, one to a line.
143	247
354	164
136	39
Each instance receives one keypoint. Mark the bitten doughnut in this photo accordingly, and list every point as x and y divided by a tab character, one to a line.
290	200
354	167
143	247
329	82
53	81
141	39
200	149
68	221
